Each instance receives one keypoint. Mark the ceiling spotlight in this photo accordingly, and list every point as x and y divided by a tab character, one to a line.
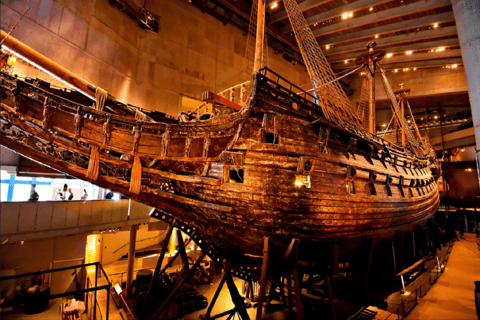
421	118
414	69
406	69
440	49
463	149
409	52
362	73
346	61
396	70
345	15
384	125
376	36
371	8
274	5
350	15
389	55
409	121
435	117
435	25
327	46
22	242
454	66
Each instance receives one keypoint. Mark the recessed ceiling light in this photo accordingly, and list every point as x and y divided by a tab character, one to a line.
371	8
409	52
376	36
435	25
350	14
346	61
327	46
274	5
389	55
345	15
454	66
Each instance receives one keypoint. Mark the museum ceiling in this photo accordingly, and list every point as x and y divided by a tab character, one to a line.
415	34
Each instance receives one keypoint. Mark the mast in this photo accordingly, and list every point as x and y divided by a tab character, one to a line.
260	35
402	107
371	93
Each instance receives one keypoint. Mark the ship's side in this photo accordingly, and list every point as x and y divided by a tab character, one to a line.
275	168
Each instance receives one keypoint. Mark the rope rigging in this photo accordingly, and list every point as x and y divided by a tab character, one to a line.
333	100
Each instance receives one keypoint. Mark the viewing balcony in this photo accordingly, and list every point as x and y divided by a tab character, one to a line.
21	221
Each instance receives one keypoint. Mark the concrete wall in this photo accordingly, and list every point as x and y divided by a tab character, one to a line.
39	255
192	53
115	245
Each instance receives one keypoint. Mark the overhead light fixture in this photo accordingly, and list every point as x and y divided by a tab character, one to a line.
409	52
362	73
396	70
414	69
435	25
376	36
389	55
346	61
22	242
406	69
463	149
274	5
345	15
327	46
435	117
371	8
350	15
421	118
409	121
384	125
454	66
440	49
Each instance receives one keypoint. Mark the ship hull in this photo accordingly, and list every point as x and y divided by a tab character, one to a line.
269	170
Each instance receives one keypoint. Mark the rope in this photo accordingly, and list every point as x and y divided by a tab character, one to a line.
100	98
336	79
334	102
396	109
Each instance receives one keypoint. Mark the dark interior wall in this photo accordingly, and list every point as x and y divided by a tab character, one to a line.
192	53
462	179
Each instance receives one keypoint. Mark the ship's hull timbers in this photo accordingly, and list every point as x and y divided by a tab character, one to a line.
275	168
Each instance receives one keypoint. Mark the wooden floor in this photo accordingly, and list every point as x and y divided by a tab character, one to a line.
452	296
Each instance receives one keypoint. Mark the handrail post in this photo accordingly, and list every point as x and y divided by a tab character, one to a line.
95	295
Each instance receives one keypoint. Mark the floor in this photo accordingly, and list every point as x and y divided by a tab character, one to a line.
452	296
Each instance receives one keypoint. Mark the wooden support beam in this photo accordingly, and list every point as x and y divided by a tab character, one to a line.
427	45
328	286
417	57
209	96
215	297
337	12
389	42
417	64
179	285
296	279
369	34
403	10
183	252
157	269
263	277
131	259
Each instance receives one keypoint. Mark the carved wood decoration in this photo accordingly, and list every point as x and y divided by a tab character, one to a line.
216	176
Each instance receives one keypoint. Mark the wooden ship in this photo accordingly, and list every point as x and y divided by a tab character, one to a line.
277	162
